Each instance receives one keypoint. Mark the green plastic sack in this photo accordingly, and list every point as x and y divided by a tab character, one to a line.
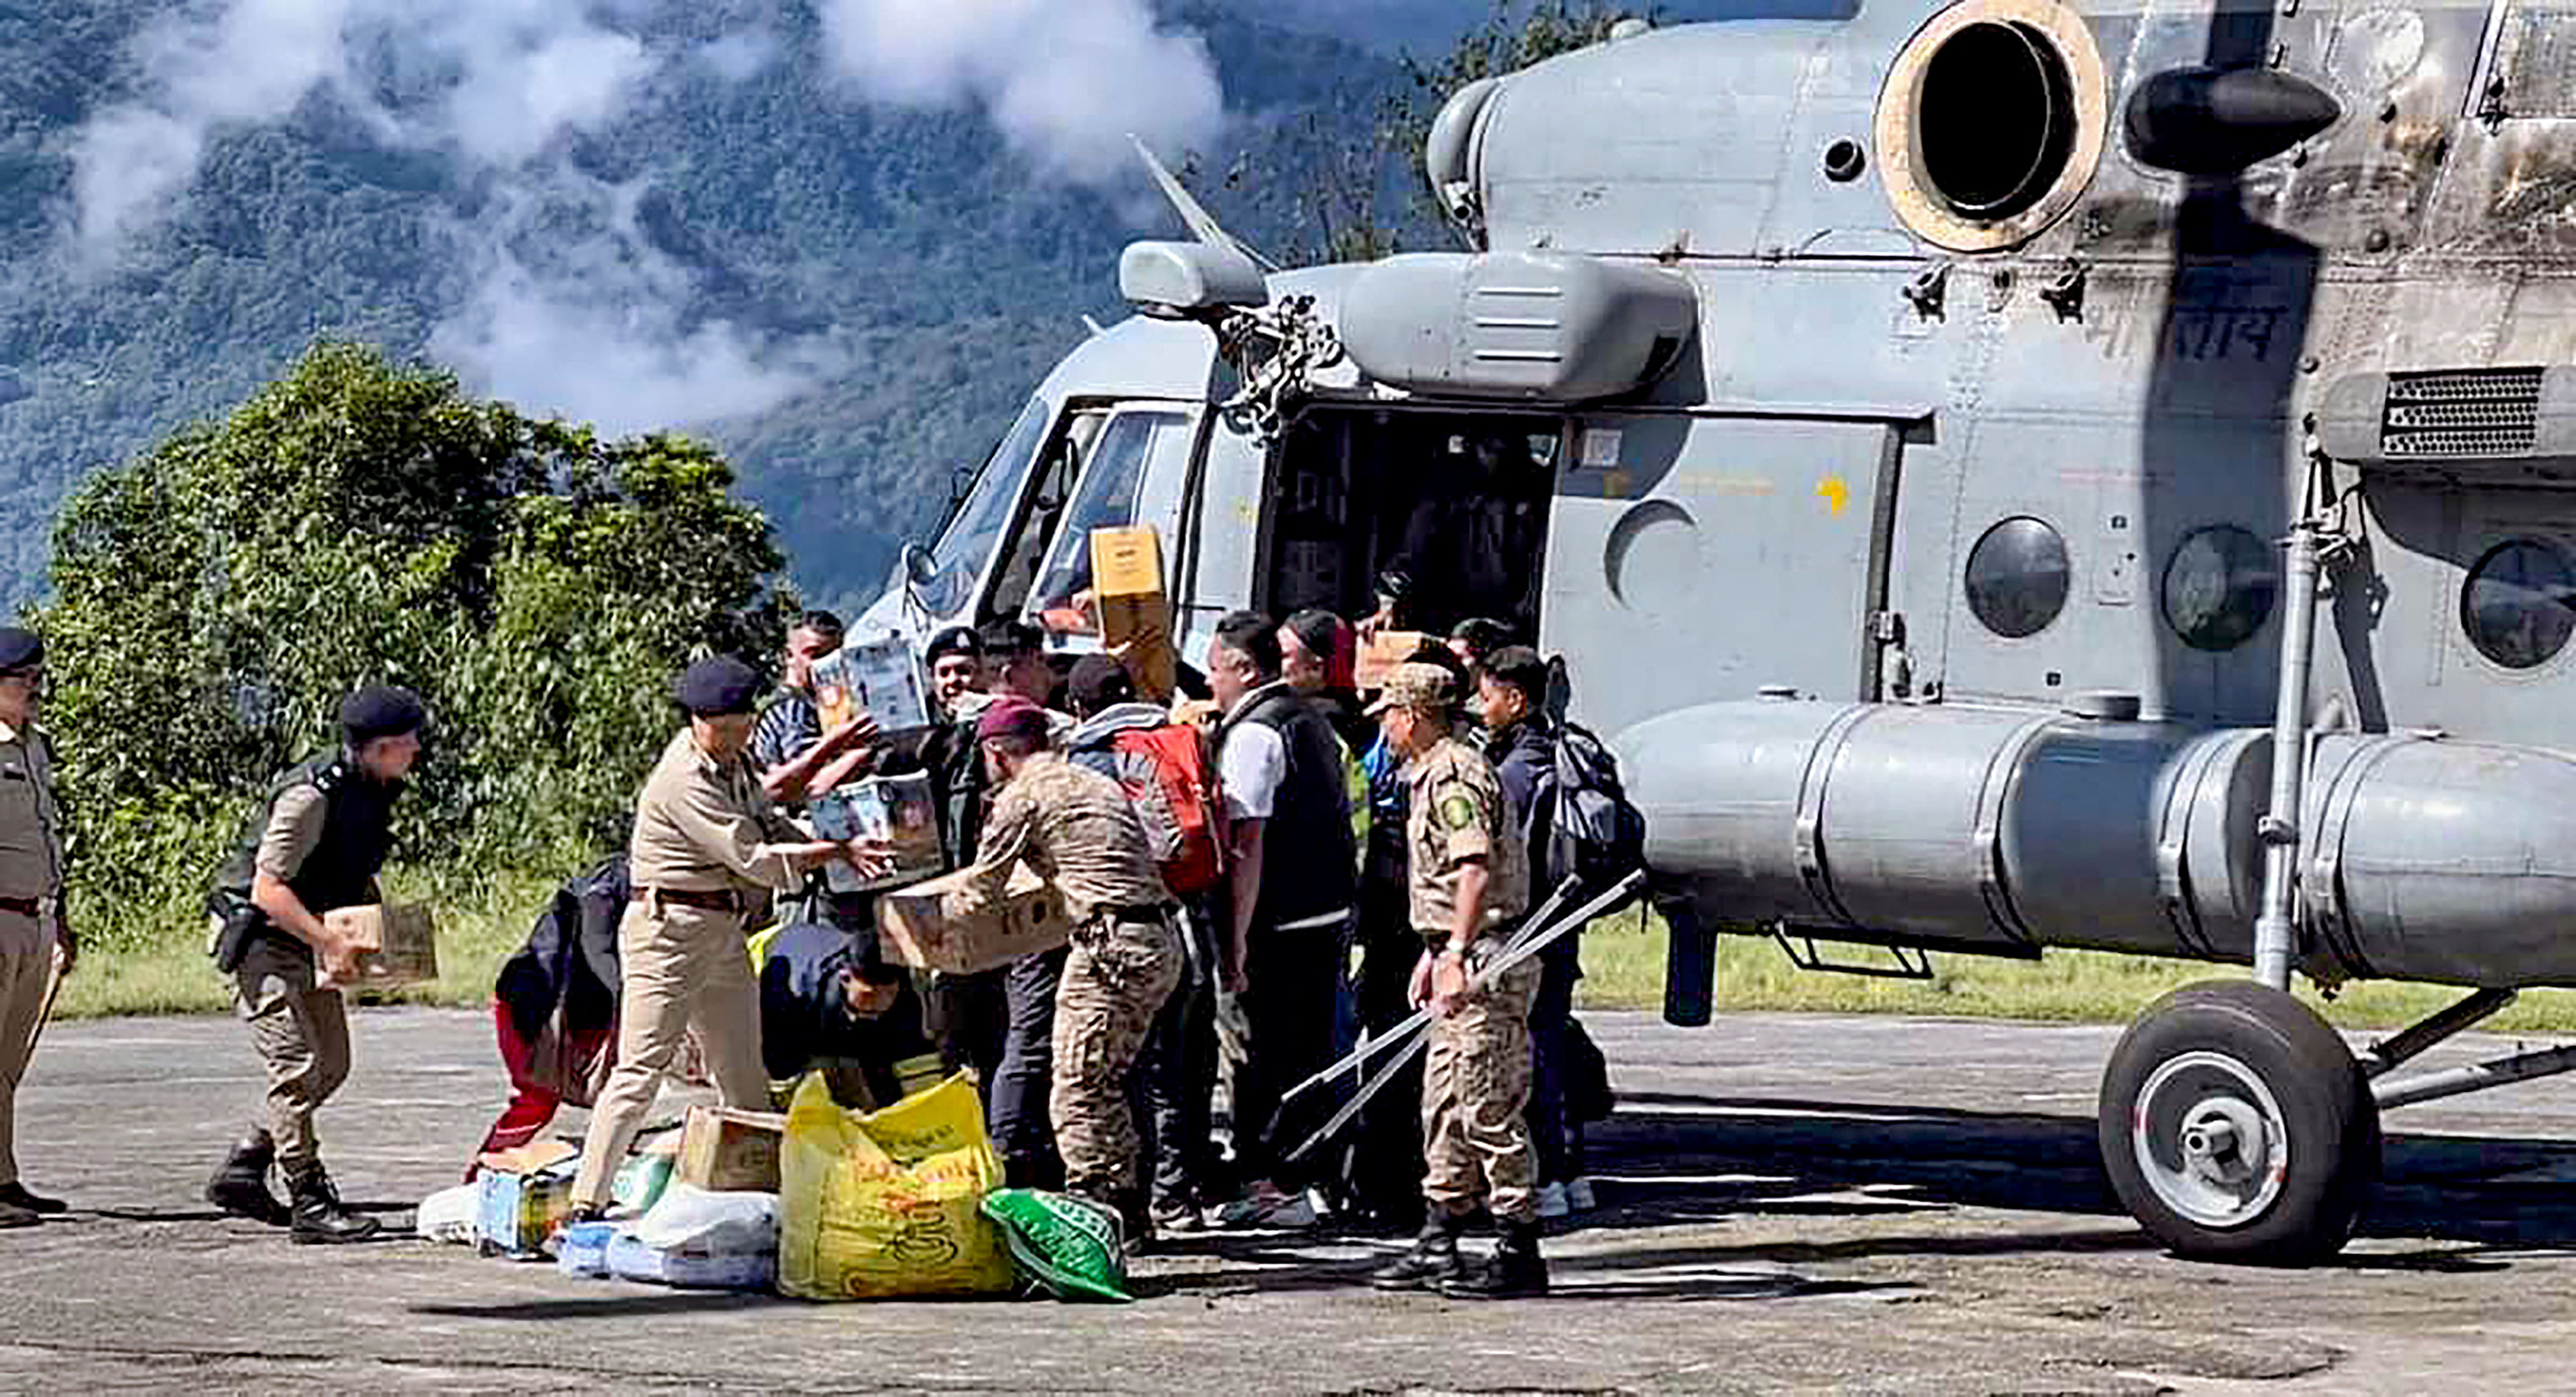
883	1205
1066	1245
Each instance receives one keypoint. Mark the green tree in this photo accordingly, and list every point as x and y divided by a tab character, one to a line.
360	522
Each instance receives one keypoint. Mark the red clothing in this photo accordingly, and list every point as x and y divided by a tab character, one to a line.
535	1095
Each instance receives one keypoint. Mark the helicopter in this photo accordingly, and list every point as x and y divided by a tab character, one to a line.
2008	474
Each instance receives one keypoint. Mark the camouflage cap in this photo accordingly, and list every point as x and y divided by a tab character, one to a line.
1420	687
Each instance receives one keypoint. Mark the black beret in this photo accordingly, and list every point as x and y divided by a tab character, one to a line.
956	640
381	710
20	649
716	687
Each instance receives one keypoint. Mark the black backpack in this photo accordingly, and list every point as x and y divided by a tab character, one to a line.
1594	834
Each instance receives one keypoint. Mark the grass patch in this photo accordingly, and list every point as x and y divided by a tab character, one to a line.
481	921
1623	962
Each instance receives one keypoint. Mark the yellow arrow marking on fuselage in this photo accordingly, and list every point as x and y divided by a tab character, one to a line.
1834	492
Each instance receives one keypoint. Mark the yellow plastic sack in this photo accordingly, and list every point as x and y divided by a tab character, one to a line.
885	1204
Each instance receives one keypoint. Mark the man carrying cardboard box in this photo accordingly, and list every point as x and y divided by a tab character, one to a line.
1077	829
317	848
708	849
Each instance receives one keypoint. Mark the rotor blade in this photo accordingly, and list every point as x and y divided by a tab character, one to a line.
1202	224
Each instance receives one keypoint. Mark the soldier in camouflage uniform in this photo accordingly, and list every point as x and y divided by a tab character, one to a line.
1075	828
1470	876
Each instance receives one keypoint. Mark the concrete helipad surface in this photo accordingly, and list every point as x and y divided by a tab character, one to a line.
1790	1204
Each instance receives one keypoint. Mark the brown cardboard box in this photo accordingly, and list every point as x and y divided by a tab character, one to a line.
397	945
1383	653
730	1151
1127	594
1029	919
1126	562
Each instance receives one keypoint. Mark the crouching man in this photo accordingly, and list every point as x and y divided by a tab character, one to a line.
1470	886
317	848
1076	828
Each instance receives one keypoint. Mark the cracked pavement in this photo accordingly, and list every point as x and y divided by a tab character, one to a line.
1791	1204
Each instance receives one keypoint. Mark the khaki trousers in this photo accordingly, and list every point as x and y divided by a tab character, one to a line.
26	963
302	1035
1475	1098
1114	982
687	973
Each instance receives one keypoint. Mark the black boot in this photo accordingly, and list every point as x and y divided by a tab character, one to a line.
318	1214
240	1184
1515	1271
1433	1263
17	1196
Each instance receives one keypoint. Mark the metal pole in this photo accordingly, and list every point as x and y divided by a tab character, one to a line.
2495	1072
2276	929
2444	1023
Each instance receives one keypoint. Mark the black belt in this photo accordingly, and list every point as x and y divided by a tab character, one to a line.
704	899
23	906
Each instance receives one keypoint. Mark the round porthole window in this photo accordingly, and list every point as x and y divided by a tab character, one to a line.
2018	578
2519	606
2219	587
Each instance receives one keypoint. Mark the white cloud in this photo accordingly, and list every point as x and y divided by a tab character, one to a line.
1065	81
518	74
741	55
589	326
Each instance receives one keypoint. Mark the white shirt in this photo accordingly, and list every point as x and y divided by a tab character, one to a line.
1250	766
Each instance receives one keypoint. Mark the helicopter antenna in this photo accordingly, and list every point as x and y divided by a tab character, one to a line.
1202	224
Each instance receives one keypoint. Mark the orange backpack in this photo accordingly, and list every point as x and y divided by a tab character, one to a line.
1168	776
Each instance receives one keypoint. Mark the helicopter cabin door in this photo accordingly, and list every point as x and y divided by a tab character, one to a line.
1698	559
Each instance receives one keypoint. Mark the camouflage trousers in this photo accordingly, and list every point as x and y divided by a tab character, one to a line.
1475	1097
1115	980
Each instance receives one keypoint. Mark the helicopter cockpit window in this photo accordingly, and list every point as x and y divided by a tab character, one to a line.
957	560
2219	587
2519	606
1051	487
2018	577
1106	499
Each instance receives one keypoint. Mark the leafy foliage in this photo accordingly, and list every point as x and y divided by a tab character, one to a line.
358	522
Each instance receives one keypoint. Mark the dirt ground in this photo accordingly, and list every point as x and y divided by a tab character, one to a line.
1791	1204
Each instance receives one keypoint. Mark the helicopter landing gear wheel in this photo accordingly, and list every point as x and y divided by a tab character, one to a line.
2236	1126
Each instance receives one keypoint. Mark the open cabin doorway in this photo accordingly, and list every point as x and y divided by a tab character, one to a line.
1454	504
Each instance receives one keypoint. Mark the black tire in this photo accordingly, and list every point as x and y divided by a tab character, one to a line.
2325	1114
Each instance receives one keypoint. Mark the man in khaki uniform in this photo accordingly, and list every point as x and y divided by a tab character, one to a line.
708	849
36	944
1077	829
316	848
1470	883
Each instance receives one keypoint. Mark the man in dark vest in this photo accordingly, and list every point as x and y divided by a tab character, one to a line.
1293	883
317	847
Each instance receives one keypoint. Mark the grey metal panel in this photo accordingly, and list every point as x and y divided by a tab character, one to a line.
1535	327
2444	861
1910	820
1693	560
1721	787
1671	140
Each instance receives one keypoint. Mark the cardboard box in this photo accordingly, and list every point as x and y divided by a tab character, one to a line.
397	945
897	809
882	678
1126	562
726	1151
1131	607
518	1206
1030	918
1383	653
